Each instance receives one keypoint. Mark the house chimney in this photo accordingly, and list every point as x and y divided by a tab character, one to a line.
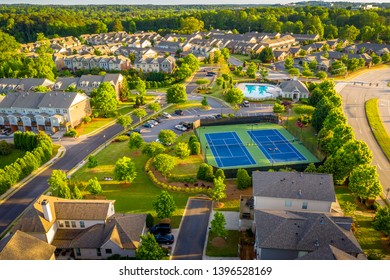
46	210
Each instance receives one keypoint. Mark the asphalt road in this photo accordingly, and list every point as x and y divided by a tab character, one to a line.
192	234
354	97
20	200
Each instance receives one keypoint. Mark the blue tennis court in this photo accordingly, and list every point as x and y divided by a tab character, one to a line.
228	149
275	146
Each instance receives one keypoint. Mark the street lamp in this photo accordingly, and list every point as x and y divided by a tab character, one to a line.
105	143
272	157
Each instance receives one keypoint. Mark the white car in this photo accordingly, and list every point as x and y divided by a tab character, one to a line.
166	115
180	127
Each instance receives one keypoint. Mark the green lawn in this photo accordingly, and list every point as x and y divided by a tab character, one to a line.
230	249
187	167
12	157
92	126
136	197
377	127
241	57
371	241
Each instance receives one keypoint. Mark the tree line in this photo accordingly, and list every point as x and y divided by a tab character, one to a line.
39	149
26	21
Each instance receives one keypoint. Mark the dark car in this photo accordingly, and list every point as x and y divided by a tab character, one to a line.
164	238
179	112
161	228
187	125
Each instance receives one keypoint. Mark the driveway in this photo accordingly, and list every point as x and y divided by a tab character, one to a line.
354	97
193	229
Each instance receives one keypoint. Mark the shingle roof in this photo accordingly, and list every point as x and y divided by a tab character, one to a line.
328	253
82	209
58	99
22	246
290	86
294	185
302	231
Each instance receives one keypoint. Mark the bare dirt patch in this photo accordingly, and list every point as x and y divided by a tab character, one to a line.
218	242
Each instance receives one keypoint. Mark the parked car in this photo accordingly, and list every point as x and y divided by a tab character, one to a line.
166	115
137	129
187	125
161	228
148	125
179	112
218	116
180	127
164	238
153	122
245	103
165	144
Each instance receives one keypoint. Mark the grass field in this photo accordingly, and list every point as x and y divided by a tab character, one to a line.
377	127
14	155
254	150
230	249
136	197
372	241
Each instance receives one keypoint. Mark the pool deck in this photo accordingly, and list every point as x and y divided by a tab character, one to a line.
272	91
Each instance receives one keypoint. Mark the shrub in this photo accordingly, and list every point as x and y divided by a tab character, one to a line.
243	179
121	138
71	133
182	151
87	119
195	148
92	161
5	148
205	172
149	220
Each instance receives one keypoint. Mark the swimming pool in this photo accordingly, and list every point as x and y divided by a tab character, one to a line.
258	91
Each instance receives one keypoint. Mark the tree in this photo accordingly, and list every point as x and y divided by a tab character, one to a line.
243	179
266	55
311	168
321	75
220	174
92	161
149	249
182	151
117	25
289	63
139	113
349	32
125	170
135	140
164	163
153	149
176	94
192	61
104	99
218	225
59	184
341	134
167	136
41	88
251	70
204	101
263	73
164	205
194	147
322	110
382	220
234	96
154	106
364	182
75	192
124	121
184	71
294	72
93	186
5	148
205	172
219	190
190	25
141	87
278	108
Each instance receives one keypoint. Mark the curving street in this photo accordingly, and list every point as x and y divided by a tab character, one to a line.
354	96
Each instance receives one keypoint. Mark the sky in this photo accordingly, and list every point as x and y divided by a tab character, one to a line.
165	2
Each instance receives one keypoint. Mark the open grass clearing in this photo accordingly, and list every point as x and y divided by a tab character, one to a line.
12	157
219	247
136	197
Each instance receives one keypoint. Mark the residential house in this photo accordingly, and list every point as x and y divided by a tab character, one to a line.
89	62
22	246
25	84
301	38
281	54
294	89
288	235
49	112
84	229
156	64
280	43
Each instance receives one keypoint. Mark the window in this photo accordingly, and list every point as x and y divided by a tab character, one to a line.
78	252
98	252
288	203
73	224
304	205
60	224
67	224
82	224
108	251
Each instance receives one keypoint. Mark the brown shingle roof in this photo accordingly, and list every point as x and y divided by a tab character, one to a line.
22	246
82	209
